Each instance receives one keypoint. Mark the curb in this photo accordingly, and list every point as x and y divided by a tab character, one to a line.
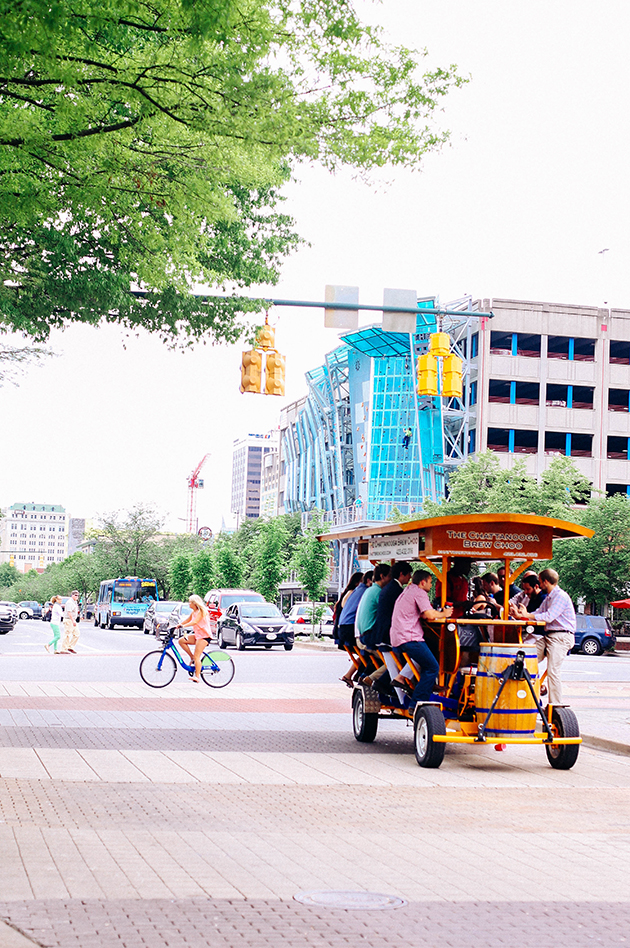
603	743
316	647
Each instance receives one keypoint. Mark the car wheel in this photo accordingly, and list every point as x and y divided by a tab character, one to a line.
564	724
428	720
240	644
23	615
110	624
221	640
288	646
96	622
364	725
591	646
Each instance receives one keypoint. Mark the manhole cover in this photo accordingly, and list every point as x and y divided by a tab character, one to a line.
362	901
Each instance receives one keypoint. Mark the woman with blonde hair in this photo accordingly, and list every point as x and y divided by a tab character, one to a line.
199	623
56	620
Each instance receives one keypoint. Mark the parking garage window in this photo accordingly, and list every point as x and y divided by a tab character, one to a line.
514	393
618	399
513	440
569	396
617	489
617	448
619	352
568	443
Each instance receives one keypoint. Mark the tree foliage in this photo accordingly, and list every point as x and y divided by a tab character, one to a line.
482	485
143	144
598	569
180	576
202	570
270	556
311	560
125	540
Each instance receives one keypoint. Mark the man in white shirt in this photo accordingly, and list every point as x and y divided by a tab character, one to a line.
558	614
70	624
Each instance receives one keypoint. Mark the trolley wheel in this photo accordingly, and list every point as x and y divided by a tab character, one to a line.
428	720
565	724
364	725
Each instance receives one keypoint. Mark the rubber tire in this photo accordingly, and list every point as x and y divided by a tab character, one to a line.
220	640
212	681
364	726
23	615
428	720
168	659
268	646
239	642
597	651
110	624
564	756
288	646
96	621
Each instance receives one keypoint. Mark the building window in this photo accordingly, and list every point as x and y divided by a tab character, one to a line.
501	343
573	445
528	345
499	439
617	489
617	448
474	345
618	399
619	353
472	394
558	347
582	396
583	350
499	391
472	440
514	393
571	349
569	396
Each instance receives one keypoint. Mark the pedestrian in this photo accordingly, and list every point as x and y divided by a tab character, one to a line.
55	624
199	623
70	624
558	614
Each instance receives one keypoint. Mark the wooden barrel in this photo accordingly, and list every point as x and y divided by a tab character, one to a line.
515	712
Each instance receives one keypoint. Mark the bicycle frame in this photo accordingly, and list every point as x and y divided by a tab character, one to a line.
170	645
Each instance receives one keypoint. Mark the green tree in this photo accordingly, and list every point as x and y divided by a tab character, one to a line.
598	569
145	145
482	485
202	567
270	558
229	566
9	575
311	561
125	541
180	576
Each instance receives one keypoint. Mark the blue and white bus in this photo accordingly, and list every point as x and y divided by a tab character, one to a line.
124	601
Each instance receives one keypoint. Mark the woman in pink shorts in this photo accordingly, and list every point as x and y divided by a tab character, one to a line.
199	623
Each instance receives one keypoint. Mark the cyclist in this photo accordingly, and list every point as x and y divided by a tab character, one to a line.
199	623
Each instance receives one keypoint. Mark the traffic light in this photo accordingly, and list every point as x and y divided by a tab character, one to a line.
452	377
440	344
266	336
274	374
427	375
251	371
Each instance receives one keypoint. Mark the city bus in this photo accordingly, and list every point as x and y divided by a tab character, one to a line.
124	601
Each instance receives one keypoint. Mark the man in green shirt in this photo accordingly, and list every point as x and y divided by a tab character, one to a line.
366	613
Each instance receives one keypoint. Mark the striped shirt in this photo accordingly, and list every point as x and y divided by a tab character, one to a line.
557	611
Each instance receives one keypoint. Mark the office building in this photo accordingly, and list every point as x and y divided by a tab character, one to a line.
32	536
248	457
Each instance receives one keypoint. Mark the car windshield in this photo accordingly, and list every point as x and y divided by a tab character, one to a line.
226	601
264	610
185	611
165	606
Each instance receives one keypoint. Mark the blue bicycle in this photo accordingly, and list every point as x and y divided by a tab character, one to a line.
158	668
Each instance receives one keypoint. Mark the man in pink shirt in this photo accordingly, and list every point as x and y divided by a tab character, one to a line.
407	634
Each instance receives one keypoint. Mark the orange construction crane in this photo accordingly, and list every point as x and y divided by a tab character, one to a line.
194	483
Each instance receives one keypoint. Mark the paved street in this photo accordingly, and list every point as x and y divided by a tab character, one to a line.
189	816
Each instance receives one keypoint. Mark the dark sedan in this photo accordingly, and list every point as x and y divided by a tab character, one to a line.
8	617
158	615
254	623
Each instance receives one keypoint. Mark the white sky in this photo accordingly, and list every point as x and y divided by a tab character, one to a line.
533	184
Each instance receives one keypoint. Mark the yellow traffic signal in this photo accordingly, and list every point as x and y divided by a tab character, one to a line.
452	377
440	344
251	371
266	336
427	375
274	374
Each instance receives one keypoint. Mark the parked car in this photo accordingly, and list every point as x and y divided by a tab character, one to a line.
8	617
29	610
593	635
302	614
156	618
226	597
254	623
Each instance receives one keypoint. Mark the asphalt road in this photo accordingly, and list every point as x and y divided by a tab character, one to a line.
105	655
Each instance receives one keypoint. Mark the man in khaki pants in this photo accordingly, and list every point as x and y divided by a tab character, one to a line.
558	614
70	624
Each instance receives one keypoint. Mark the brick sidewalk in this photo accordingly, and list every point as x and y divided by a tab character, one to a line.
161	923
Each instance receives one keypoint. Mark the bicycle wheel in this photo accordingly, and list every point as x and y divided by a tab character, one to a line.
156	673
217	669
